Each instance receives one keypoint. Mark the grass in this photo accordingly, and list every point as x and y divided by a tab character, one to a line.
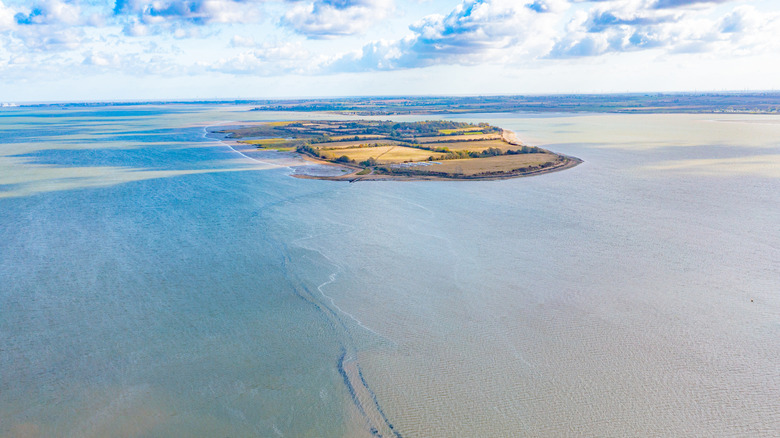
474	129
462	137
279	144
265	141
475	146
503	163
360	137
382	154
351	144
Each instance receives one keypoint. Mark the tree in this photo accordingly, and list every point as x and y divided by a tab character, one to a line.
368	163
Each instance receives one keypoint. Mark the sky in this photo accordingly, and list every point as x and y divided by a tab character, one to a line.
87	50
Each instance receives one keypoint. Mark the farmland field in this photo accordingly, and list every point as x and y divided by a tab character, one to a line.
504	163
360	137
267	142
475	146
462	137
383	154
472	129
352	143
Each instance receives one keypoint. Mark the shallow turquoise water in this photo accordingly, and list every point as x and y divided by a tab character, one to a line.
155	282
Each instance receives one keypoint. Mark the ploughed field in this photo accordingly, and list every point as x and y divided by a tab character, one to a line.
428	149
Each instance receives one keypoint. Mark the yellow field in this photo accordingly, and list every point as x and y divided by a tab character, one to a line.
351	144
470	137
473	129
382	154
361	137
503	163
475	146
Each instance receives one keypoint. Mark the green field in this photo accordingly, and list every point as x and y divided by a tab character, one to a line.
281	144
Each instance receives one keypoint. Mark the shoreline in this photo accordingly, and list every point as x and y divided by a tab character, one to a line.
568	162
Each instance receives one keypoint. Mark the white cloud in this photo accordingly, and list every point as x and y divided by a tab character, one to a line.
664	4
242	41
50	12
135	28
57	38
6	17
331	18
50	38
269	59
476	31
197	12
102	59
741	19
45	26
673	26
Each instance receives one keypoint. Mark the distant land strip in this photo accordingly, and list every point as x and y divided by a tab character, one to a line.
747	103
646	103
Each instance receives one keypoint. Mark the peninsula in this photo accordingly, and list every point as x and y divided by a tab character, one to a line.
374	150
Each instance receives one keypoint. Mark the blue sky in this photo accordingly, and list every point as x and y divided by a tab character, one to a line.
203	49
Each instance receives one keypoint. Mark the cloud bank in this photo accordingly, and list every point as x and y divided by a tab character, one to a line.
268	38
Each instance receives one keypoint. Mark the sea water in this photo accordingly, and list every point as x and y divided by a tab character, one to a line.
156	282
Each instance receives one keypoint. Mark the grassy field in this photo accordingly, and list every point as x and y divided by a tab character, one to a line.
351	144
360	137
471	130
382	154
265	141
476	146
503	163
462	137
280	144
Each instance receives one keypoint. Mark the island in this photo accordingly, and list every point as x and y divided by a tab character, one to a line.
425	150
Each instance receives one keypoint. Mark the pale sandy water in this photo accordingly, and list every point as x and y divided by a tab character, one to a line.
154	283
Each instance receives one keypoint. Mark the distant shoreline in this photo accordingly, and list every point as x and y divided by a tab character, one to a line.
728	102
628	103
